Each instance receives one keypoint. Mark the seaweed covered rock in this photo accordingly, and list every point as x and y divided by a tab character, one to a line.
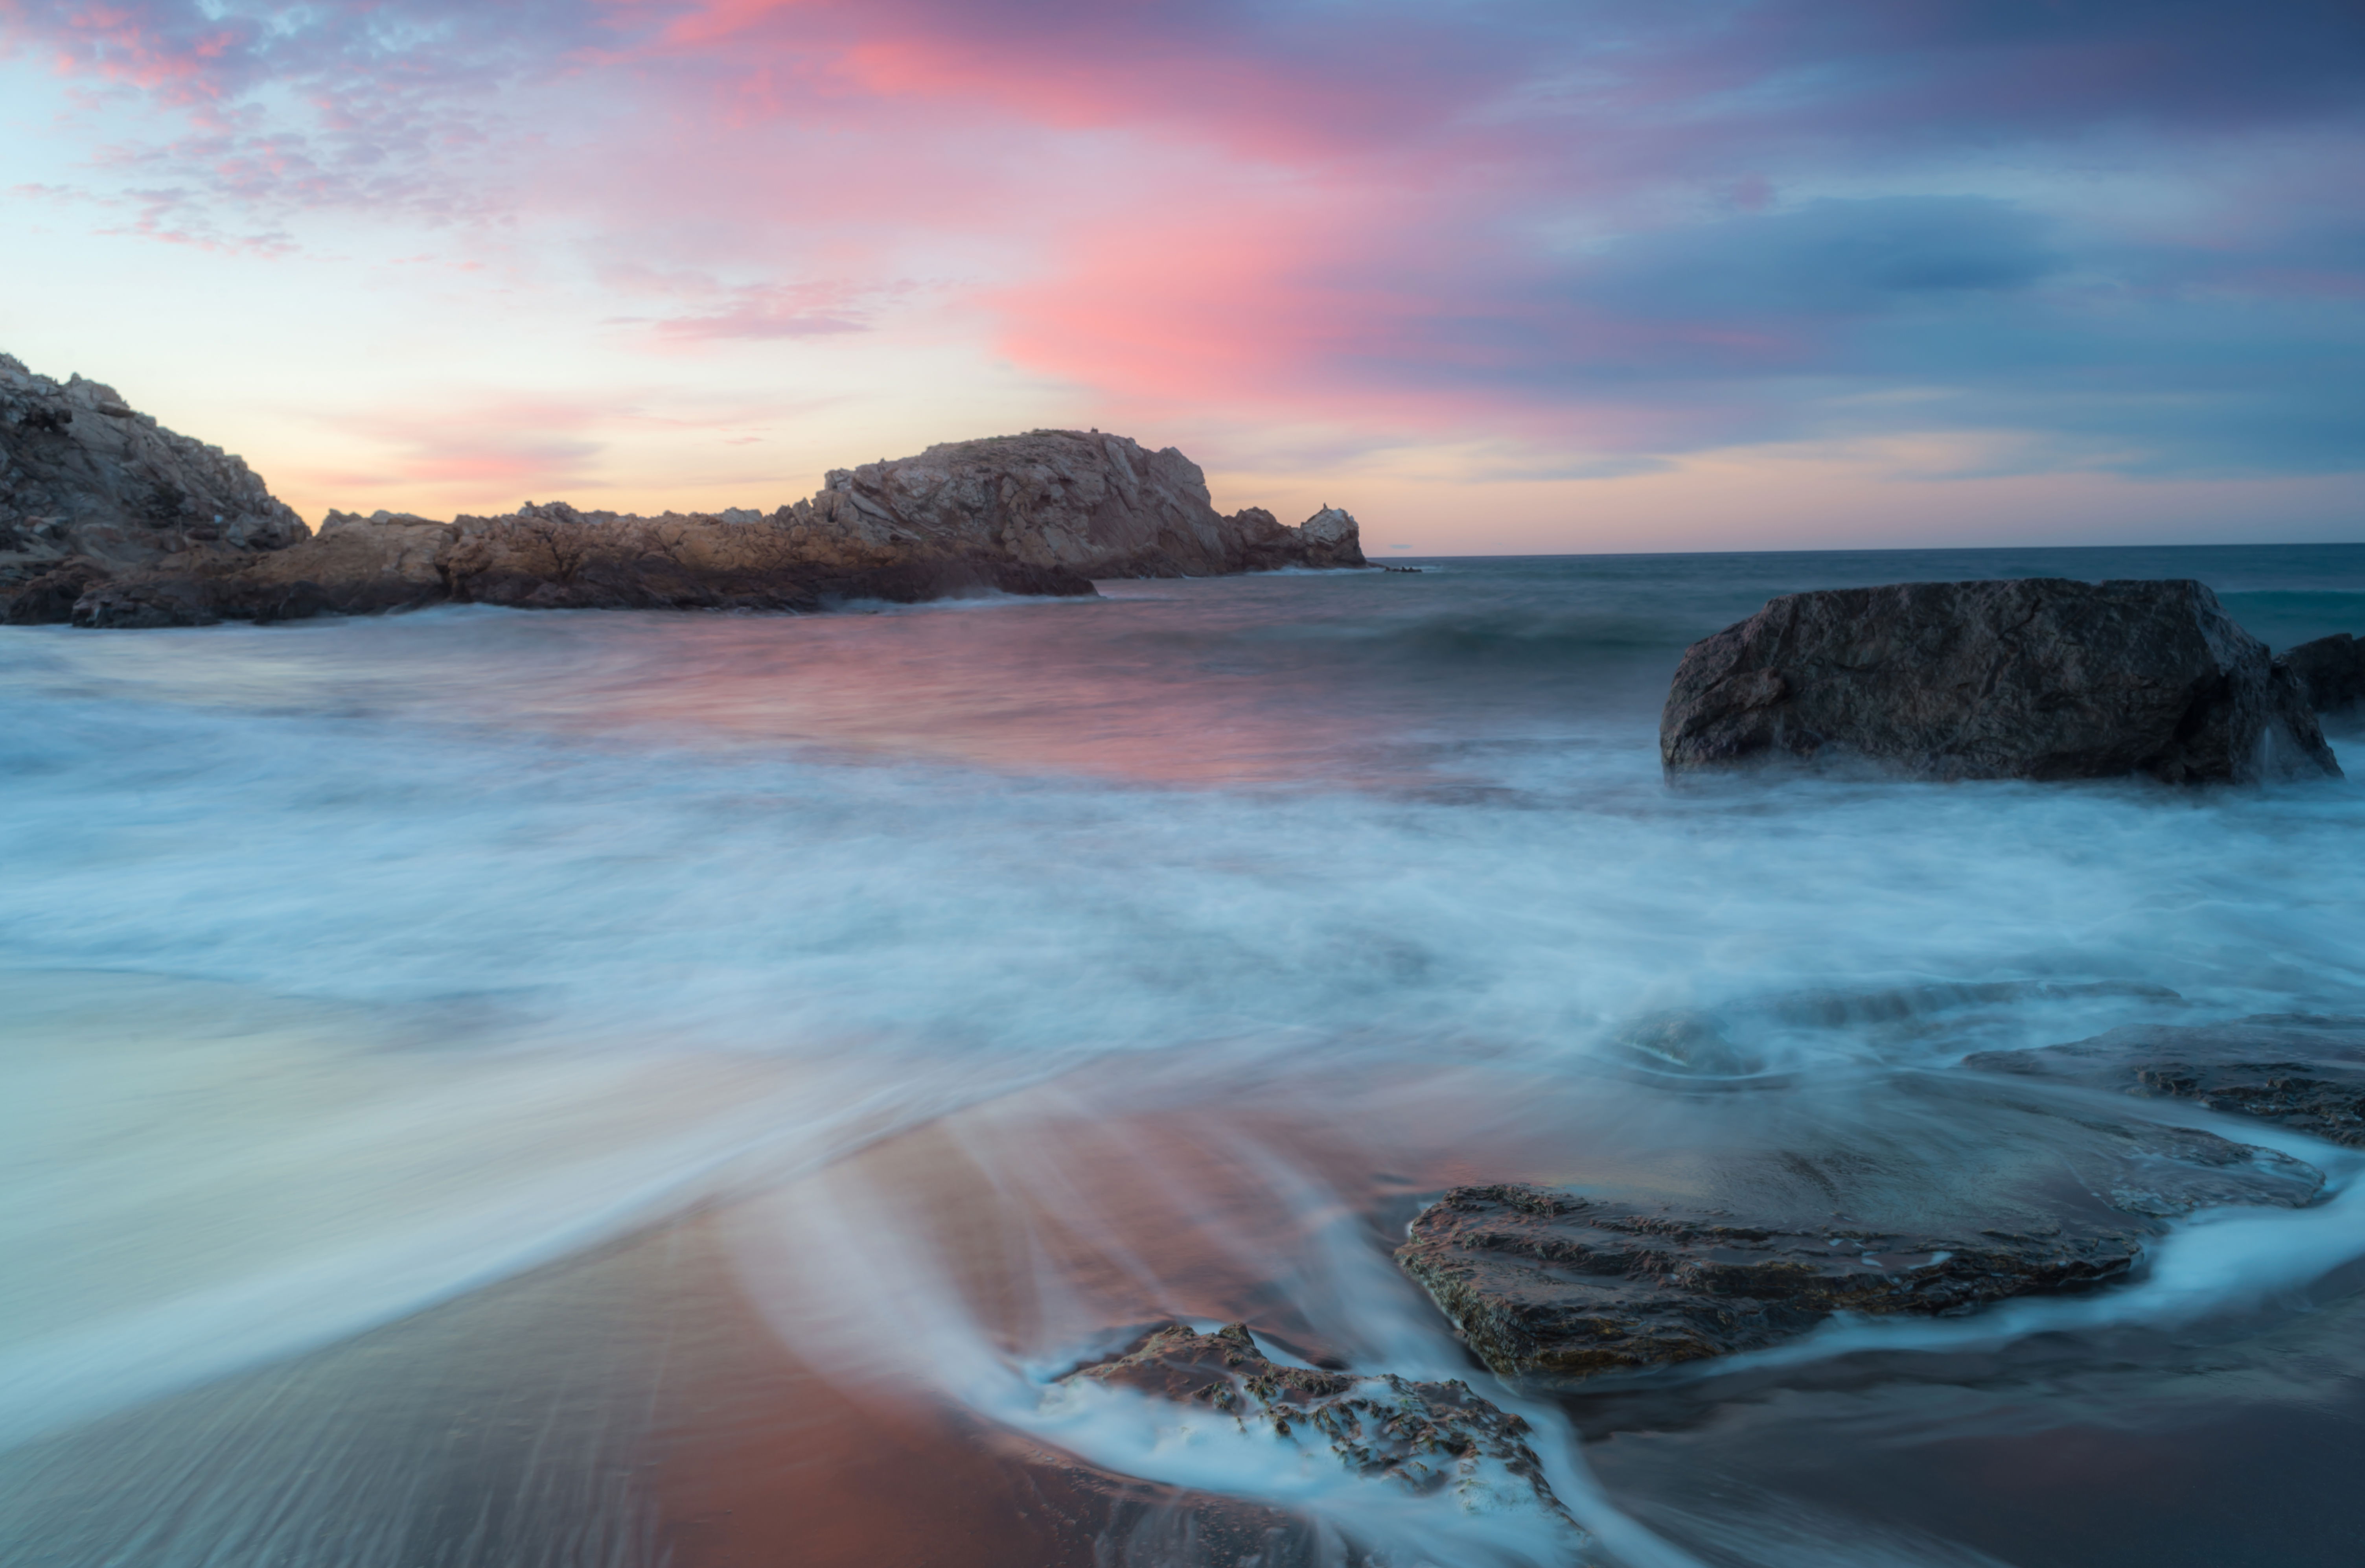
1425	1437
2038	678
2306	1072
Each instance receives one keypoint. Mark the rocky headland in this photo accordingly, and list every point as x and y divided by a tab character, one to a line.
2037	679
107	520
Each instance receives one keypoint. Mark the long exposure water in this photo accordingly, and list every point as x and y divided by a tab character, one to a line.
500	1088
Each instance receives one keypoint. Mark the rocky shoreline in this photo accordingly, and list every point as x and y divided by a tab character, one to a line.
108	520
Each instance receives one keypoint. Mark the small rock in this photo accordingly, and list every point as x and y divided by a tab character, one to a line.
1425	1437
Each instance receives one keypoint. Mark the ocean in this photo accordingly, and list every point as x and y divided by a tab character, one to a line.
494	1088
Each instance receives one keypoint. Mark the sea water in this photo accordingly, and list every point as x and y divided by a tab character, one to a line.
356	968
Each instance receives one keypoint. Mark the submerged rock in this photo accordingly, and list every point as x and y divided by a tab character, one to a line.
2300	1071
1425	1437
1544	1282
2331	670
2039	679
1556	1286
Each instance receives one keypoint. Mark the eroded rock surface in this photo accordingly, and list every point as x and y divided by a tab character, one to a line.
2304	1071
2331	670
1556	1286
1426	1438
1099	505
90	489
2039	679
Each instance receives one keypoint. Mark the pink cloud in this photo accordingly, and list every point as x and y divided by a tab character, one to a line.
1584	225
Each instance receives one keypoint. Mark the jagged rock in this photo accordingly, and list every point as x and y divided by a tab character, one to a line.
1099	505
49	598
1426	1438
2302	1070
1041	513
2037	679
147	601
1331	537
2331	670
1558	1286
83	477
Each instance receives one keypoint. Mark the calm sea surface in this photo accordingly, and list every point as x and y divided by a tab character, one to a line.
501	1088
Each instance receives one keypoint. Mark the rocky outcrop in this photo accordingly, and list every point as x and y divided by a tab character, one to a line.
2303	1071
125	526
2037	679
1095	504
84	478
1558	1286
1424	1438
2331	670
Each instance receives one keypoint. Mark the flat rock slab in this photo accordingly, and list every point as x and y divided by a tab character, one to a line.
1425	1437
2036	679
2303	1071
1552	1284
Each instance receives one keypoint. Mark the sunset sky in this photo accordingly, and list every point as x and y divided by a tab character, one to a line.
1525	276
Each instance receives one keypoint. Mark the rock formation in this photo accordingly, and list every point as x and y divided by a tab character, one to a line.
110	521
2331	670
2300	1070
2037	679
1558	1286
1425	1437
89	489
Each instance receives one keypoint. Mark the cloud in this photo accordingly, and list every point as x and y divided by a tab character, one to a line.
2104	235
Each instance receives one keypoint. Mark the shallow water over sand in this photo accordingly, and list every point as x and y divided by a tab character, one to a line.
490	1087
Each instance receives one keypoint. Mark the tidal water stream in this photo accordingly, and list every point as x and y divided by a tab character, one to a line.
486	1088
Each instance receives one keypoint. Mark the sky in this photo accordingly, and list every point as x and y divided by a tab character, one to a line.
1497	276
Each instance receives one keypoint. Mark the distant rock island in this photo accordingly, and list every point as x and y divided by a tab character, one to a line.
108	520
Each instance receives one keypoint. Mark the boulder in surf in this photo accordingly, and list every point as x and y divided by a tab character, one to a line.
2331	670
2034	678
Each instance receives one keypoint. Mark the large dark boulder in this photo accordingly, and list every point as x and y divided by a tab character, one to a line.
2038	678
2331	670
2306	1072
